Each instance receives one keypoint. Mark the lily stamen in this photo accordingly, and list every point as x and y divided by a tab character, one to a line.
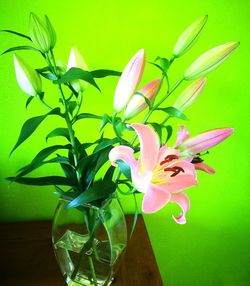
169	158
176	170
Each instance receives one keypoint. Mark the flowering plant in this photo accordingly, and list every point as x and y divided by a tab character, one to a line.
97	171
160	172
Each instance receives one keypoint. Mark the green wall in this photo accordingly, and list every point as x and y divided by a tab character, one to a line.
213	247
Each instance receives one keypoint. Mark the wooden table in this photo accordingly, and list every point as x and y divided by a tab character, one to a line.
27	258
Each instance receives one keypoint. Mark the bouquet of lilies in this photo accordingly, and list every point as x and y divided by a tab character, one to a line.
95	171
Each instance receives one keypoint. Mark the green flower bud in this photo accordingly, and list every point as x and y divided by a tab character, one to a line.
39	33
189	37
210	60
27	78
51	31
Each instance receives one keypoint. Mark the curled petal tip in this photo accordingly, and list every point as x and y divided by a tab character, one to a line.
181	219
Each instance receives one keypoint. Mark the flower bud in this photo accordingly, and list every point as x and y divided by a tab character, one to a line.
76	61
27	78
39	34
189	37
189	95
137	102
210	60
52	32
204	141
129	80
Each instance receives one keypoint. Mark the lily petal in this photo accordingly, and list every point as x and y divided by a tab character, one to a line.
129	80
182	135
182	180
183	201
204	167
204	141
165	151
149	145
123	153
154	199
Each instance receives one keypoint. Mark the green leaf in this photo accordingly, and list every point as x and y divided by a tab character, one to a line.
158	129
20	48
174	112
105	120
145	98
47	73
125	169
42	181
163	63
77	73
104	73
105	142
135	216
69	172
71	106
38	160
90	165
45	69
30	126
16	33
30	98
87	115
49	76
100	190
109	174
59	132
169	129
120	127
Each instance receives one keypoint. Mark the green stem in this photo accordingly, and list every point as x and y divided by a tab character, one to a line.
165	120
92	269
67	118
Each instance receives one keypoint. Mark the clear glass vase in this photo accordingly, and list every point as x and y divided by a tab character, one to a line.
89	241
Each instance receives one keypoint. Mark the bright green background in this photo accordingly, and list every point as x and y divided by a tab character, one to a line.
213	247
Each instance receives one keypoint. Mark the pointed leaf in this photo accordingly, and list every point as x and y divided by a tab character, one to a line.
64	132
100	190
71	106
163	63
105	142
125	169
20	48
77	73
158	129
105	120
16	33
87	115
174	112
109	174
135	216
104	73
30	98
38	160
169	129
42	181
30	126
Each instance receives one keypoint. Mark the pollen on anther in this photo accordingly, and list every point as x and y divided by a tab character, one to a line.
169	158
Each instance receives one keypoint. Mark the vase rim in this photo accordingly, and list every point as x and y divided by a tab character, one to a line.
104	203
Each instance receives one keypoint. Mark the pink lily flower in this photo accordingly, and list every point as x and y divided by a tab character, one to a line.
137	102
201	142
129	80
159	172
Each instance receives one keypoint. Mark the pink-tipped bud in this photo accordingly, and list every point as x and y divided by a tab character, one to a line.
129	80
138	102
204	141
189	95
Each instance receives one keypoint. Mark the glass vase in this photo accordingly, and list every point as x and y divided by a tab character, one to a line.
89	241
